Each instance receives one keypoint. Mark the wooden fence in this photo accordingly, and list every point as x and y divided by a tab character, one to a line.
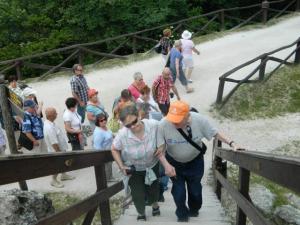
259	73
24	167
278	169
223	19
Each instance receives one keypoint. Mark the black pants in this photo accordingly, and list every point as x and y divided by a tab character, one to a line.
164	108
74	141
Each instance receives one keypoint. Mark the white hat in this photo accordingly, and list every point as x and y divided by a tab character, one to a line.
28	91
186	35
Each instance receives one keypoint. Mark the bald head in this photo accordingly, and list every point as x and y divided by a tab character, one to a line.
166	72
51	113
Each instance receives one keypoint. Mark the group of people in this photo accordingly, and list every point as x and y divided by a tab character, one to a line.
150	138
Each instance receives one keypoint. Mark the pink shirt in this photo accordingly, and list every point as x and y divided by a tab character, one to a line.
187	46
135	91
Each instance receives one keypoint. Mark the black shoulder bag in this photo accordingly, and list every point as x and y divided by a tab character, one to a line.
202	149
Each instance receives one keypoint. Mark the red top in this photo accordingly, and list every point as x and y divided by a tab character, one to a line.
164	87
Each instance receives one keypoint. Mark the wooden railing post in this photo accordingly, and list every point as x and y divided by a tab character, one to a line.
80	57
265	6
220	90
8	125
18	70
297	54
222	19
134	45
101	182
222	168
297	5
244	179
262	69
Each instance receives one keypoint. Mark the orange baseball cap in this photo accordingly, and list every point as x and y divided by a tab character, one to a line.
177	111
92	92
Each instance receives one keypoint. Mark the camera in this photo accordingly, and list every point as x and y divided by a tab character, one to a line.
171	94
131	170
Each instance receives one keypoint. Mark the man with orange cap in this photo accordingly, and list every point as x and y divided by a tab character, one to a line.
183	161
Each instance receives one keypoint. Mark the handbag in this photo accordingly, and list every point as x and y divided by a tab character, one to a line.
202	149
158	48
25	142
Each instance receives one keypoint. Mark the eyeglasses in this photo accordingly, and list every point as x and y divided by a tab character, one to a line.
132	123
80	70
189	130
102	120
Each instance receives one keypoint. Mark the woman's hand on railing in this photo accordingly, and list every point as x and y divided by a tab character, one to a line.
236	147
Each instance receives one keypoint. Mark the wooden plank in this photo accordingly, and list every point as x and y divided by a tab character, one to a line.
244	180
31	166
145	38
278	169
65	216
42	66
284	9
250	210
282	61
246	21
103	54
8	68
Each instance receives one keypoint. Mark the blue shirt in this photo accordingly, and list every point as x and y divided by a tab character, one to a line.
34	125
102	139
95	110
175	54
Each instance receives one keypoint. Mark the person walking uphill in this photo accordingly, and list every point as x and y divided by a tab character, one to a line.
133	150
79	88
182	156
176	66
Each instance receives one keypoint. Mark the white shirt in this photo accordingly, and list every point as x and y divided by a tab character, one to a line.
54	135
187	46
73	118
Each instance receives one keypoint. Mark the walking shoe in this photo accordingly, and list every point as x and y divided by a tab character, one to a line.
161	198
190	90
65	176
190	81
56	184
141	217
155	211
184	219
193	214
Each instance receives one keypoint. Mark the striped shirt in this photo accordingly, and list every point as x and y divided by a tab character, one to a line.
80	87
135	151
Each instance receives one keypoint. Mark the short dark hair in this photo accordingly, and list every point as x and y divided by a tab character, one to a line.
12	78
126	94
128	110
71	102
99	117
75	66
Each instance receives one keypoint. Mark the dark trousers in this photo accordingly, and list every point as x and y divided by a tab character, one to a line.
81	111
140	191
182	77
164	108
190	175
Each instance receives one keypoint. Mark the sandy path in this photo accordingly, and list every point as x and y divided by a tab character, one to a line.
217	57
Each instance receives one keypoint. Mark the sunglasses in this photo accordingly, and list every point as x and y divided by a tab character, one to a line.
132	123
102	120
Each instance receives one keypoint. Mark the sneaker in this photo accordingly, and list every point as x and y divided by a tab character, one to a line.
190	90
155	211
184	219
67	177
56	184
141	217
193	214
190	81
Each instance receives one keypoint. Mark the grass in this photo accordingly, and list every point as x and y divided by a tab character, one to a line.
291	149
275	97
61	200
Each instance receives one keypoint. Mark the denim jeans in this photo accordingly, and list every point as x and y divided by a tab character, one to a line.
182	77
163	180
81	111
187	174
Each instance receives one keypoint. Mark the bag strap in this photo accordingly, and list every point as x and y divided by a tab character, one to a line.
186	137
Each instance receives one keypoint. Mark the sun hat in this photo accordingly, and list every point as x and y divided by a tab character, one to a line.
29	104
186	35
178	110
92	92
28	91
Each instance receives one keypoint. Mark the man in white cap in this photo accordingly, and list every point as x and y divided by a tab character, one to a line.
188	47
184	162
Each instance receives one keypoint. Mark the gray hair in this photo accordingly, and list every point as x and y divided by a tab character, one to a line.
75	66
177	43
127	111
137	76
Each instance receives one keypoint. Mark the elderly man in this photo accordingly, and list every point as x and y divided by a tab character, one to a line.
176	66
32	127
161	90
137	85
184	162
79	89
56	142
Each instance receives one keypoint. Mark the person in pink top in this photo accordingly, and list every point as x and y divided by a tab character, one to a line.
188	47
137	85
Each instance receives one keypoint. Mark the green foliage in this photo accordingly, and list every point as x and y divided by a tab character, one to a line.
279	95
